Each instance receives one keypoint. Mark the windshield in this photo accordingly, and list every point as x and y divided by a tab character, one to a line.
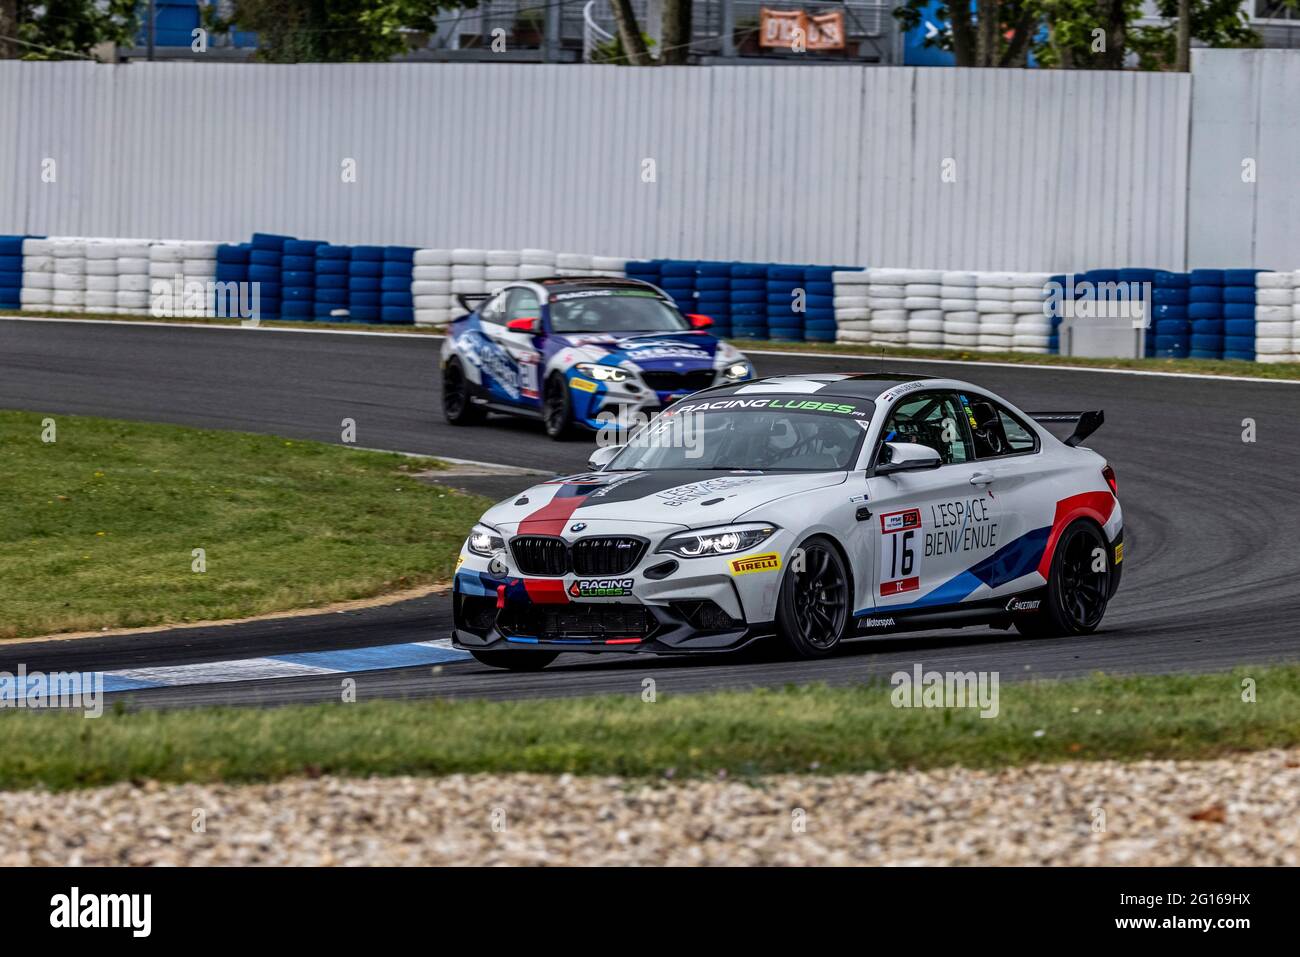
781	433
614	310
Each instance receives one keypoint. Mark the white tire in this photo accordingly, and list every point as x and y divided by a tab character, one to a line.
922	289
993	294
1272	313
98	301
609	264
535	271
880	304
536	257
431	273
925	337
38	280
501	273
572	261
67	281
133	267
1274	297
849	276
850	302
432	257
904	276
502	257
465	271
893	320
101	283
38	263
38	247
469	257
959	340
1262	346
1275	280
132	283
161	253
857	325
99	252
1273	330
921	302
68	249
35	297
469	286
960	280
69	297
433	302
852	315
431	288
132	299
199	268
852	335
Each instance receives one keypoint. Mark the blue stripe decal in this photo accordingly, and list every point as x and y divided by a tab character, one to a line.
1013	560
375	658
471	583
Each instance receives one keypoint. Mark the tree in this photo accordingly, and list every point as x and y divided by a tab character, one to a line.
999	33
1080	34
631	41
677	33
63	29
329	31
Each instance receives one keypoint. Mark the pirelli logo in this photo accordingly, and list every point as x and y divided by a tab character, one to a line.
756	563
1119	553
582	385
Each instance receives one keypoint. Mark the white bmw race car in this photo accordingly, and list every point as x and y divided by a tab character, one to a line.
816	508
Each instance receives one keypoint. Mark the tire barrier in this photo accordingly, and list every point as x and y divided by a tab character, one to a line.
1241	314
11	271
1275	315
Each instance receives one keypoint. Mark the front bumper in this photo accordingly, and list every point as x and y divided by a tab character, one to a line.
665	605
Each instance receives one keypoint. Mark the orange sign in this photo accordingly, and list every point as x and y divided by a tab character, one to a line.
797	30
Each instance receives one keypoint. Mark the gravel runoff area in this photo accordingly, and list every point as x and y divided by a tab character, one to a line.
1239	810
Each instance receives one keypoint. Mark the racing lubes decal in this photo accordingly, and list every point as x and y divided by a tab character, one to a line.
756	563
779	404
900	564
600	587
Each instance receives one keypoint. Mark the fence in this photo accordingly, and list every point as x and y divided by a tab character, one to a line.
946	168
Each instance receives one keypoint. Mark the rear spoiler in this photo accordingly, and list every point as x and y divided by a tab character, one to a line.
1086	423
470	300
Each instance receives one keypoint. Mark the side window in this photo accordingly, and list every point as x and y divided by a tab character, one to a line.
494	309
934	419
523	304
995	430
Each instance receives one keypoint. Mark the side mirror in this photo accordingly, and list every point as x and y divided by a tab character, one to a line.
531	326
602	457
699	321
906	457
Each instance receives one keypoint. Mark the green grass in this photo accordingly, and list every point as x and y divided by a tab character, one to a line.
1232	367
98	527
269	323
798	730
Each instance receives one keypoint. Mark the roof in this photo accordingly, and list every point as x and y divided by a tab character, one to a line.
857	385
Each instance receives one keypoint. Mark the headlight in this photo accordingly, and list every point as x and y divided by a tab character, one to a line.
600	372
726	540
484	541
737	370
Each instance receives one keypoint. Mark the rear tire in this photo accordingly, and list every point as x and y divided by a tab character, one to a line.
516	660
557	412
1076	595
812	611
458	407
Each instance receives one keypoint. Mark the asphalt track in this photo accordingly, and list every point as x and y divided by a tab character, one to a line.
1212	565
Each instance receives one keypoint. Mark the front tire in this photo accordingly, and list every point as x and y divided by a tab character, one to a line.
557	412
516	660
458	407
1077	594
812	611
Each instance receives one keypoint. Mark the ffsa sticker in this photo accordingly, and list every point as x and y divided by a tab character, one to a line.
900	560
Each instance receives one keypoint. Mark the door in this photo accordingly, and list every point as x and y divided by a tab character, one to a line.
498	358
933	528
525	349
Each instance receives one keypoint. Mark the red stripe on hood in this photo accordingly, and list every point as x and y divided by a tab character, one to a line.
550	519
1094	505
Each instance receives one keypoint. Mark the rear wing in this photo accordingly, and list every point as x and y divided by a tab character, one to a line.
1086	423
470	300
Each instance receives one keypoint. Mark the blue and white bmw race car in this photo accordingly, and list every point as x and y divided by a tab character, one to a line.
816	508
576	351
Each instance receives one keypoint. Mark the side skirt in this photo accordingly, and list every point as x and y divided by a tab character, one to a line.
999	612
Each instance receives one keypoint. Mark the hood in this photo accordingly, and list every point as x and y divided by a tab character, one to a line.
669	351
682	498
